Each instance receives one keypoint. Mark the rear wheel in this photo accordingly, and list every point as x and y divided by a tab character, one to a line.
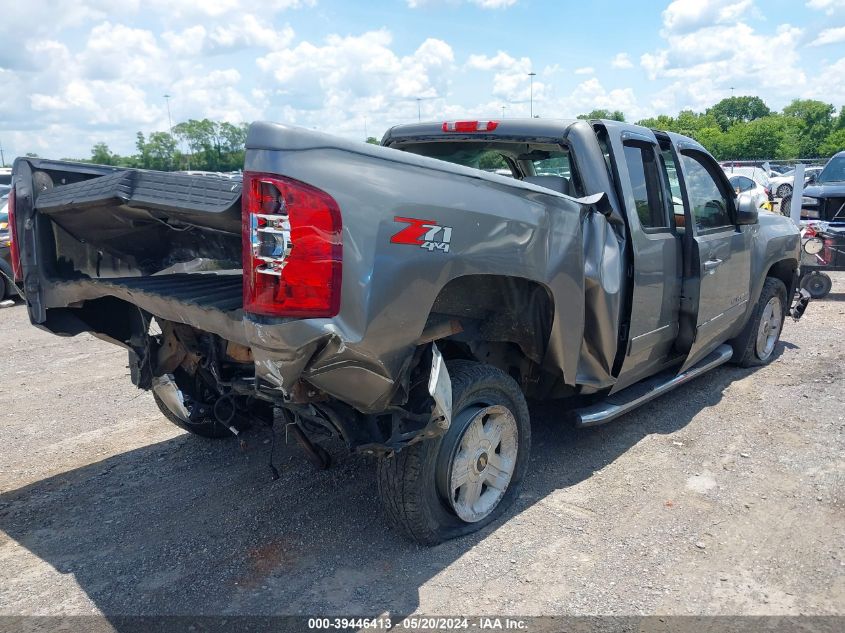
783	191
453	485
6	289
817	284
758	341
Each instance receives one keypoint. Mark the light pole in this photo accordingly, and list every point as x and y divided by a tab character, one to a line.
531	76
2	159
169	120
419	111
503	111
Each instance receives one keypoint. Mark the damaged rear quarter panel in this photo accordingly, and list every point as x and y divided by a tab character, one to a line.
499	227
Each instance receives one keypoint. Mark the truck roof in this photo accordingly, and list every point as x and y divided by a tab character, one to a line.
538	130
551	129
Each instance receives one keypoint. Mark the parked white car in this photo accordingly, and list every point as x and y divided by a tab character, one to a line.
759	193
757	174
782	185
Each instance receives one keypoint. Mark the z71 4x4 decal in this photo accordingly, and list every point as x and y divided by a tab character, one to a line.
423	233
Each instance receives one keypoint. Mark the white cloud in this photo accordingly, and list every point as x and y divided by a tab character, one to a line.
357	73
829	36
483	4
115	50
683	16
243	31
622	60
510	80
586	70
828	6
710	49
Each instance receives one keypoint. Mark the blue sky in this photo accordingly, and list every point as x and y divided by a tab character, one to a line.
73	74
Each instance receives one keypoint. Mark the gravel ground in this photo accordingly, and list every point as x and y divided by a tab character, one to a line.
724	497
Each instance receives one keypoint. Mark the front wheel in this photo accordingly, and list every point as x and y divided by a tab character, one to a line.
456	484
758	341
783	191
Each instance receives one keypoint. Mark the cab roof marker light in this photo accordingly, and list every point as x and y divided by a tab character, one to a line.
469	126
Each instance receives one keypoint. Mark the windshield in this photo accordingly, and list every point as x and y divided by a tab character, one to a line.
834	171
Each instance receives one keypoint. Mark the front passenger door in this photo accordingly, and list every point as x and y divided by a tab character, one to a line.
716	292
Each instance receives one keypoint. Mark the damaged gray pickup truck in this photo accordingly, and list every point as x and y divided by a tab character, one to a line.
405	302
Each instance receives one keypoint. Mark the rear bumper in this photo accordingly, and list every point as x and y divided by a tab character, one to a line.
286	352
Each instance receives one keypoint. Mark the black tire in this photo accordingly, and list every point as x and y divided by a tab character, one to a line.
817	284
785	205
6	289
783	191
208	427
408	480
745	345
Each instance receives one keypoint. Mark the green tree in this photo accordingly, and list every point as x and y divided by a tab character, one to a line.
161	148
143	151
372	140
835	142
815	123
491	160
101	154
839	124
601	113
735	110
758	139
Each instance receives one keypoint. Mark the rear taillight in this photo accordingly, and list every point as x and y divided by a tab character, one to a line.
470	126
13	235
292	251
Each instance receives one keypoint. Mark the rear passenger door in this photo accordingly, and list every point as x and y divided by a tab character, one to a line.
656	252
717	278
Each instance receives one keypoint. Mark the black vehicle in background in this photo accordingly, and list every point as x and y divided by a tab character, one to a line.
823	210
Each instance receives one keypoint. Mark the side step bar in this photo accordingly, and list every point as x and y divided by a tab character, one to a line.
640	393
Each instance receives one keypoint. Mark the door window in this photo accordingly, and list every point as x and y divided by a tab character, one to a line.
741	183
710	205
649	198
670	173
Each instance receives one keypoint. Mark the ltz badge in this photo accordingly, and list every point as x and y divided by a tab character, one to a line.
423	233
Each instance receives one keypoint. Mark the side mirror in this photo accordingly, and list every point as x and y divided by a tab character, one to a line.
811	179
746	213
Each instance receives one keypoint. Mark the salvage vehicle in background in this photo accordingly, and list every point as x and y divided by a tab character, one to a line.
405	302
823	217
7	289
783	185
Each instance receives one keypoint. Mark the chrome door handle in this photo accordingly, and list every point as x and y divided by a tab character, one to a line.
711	264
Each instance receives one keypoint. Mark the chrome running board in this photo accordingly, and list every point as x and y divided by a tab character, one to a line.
631	397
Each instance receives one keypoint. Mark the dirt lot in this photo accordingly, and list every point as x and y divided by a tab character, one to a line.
725	497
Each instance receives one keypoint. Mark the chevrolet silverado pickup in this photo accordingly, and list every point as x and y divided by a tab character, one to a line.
403	301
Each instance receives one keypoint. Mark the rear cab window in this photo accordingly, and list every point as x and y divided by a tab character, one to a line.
538	163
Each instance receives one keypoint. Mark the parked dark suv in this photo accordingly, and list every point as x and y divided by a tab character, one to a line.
824	199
